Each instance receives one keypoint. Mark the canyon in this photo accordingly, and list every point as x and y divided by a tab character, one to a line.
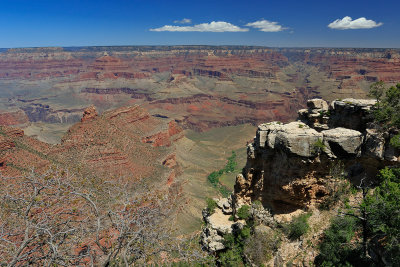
169	116
189	89
200	87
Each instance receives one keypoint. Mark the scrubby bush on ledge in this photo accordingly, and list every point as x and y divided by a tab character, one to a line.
297	227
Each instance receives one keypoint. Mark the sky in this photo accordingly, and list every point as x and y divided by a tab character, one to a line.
284	23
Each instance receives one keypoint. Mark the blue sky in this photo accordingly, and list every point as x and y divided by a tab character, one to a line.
301	23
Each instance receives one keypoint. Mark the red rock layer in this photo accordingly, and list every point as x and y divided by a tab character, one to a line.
9	118
108	146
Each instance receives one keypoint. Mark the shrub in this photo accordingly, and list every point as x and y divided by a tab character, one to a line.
213	178
225	192
388	103
231	164
298	227
231	257
243	212
319	146
383	215
211	205
260	247
234	243
335	249
395	141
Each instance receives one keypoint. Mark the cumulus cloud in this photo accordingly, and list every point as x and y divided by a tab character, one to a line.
183	21
214	26
266	26
348	23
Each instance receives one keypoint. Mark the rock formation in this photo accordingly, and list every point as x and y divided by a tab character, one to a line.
290	166
89	113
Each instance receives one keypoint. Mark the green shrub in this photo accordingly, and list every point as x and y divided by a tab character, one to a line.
388	103
231	164
319	146
213	178
234	243
336	248
395	141
260	247
225	192
231	258
211	205
243	212
297	227
383	215
257	203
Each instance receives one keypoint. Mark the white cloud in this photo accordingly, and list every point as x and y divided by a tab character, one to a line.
214	26
266	26
183	21
347	23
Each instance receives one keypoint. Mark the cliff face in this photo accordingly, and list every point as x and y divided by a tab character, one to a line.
289	165
200	87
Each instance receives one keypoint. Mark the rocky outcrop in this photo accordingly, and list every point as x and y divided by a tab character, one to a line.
219	223
288	165
342	143
89	114
292	138
351	113
223	220
165	137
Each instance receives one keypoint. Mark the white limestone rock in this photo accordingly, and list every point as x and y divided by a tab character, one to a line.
317	103
342	142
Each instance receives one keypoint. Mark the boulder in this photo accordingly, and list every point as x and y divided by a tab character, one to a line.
220	222
317	103
266	134
374	144
225	205
211	240
351	113
89	113
295	138
342	142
